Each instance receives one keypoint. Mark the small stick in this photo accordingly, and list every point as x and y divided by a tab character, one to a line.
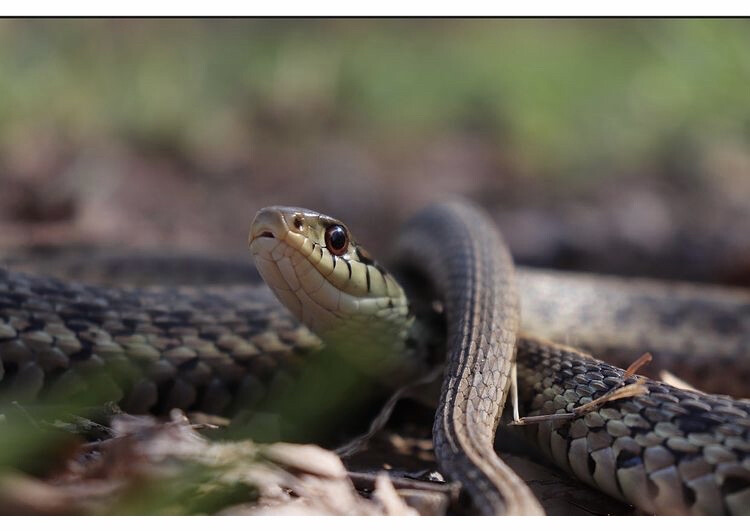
514	391
645	359
525	421
627	391
630	390
26	414
359	443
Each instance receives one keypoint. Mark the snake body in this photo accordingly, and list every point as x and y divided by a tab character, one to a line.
670	451
666	451
476	283
701	333
162	348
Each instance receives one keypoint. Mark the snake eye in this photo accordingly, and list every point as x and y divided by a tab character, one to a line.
337	240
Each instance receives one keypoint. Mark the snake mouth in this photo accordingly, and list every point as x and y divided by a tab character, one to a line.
269	224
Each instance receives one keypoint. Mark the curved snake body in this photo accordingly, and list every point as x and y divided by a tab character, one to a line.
668	451
475	281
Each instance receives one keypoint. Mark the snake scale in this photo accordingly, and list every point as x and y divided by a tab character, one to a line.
665	450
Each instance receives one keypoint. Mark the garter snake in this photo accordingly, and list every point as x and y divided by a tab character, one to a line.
668	451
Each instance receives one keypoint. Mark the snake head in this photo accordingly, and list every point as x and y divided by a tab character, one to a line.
325	278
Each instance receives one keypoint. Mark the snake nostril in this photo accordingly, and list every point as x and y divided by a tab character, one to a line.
266	234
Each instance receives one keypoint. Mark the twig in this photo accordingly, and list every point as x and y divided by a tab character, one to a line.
359	443
627	391
630	390
645	359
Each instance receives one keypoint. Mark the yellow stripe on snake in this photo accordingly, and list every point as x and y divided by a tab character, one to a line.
666	450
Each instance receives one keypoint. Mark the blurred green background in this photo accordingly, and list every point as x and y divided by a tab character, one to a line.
584	138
